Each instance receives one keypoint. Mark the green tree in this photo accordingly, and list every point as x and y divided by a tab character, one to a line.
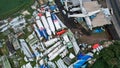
110	55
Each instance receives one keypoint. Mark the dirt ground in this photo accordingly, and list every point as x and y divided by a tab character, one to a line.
90	39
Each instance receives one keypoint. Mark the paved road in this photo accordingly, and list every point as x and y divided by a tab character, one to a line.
114	5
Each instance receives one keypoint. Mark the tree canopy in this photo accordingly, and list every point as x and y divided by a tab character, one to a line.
110	55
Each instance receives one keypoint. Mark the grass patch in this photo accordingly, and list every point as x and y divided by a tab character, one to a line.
9	7
3	36
4	50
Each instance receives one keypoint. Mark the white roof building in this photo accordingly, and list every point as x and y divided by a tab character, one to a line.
13	39
28	65
71	56
25	49
18	22
33	41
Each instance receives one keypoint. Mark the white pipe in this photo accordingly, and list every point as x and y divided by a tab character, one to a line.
50	42
54	51
45	23
51	48
50	22
57	53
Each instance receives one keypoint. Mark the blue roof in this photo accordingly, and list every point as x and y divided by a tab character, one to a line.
84	66
79	63
45	34
53	16
82	59
86	57
40	32
44	66
80	56
53	7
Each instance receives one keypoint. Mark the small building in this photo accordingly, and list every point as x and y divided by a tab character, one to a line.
28	65
26	49
4	27
32	39
29	28
10	47
71	56
18	32
16	44
61	64
35	13
67	60
18	22
14	41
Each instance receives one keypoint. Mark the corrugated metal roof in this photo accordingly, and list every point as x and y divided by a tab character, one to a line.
100	19
10	46
91	6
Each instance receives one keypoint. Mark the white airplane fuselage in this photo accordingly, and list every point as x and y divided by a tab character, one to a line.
84	13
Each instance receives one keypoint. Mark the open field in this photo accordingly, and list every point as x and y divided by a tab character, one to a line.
8	7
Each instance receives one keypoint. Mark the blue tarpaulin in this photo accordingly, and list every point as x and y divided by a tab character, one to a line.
53	7
53	17
40	32
45	34
81	60
80	56
44	66
79	63
98	30
86	57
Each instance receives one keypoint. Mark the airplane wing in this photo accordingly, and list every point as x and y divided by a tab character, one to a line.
77	15
75	9
84	15
94	12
